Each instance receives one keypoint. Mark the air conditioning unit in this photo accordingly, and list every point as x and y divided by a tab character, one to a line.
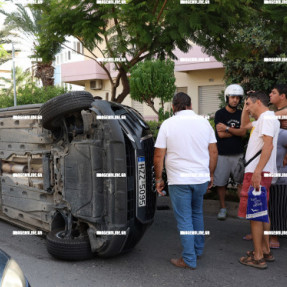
96	84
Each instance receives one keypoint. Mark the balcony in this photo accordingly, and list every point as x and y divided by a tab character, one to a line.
79	72
195	59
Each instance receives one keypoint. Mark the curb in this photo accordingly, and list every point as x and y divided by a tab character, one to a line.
210	206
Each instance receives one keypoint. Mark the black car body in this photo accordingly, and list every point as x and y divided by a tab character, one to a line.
93	190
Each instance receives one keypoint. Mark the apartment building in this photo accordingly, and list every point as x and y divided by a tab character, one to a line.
196	73
71	52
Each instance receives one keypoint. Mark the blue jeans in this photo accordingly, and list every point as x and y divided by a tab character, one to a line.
187	201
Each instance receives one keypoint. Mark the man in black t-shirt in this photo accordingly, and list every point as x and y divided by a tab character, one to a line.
229	142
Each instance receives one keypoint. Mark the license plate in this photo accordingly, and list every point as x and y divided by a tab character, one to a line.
142	182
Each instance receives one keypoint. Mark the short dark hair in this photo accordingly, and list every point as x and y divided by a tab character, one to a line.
180	101
282	89
259	95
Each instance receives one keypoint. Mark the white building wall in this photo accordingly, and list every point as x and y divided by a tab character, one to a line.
71	52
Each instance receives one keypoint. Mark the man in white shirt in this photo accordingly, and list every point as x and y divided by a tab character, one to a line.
264	135
187	143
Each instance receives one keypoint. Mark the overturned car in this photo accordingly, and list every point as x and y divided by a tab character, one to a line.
81	171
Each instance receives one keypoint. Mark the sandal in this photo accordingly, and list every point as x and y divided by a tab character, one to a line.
252	262
268	257
274	244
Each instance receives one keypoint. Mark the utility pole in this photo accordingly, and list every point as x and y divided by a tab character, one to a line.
14	77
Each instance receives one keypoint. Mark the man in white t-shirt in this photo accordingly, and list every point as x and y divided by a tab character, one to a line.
187	143
264	136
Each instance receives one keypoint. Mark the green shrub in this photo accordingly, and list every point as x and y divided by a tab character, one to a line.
31	94
211	121
154	127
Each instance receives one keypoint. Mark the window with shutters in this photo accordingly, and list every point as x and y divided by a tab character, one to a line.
208	99
80	49
75	47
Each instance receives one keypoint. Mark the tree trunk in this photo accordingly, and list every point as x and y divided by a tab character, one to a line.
45	72
126	87
150	103
114	90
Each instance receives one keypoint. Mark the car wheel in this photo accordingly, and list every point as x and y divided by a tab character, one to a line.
62	105
76	248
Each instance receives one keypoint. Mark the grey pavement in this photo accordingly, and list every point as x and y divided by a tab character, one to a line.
148	264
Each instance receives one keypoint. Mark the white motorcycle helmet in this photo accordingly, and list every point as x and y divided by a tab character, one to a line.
233	90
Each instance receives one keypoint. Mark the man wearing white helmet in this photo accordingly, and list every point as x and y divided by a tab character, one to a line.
229	142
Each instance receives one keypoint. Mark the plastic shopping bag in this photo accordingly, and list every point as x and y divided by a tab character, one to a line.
257	204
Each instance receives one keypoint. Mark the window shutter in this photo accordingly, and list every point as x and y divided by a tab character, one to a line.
208	99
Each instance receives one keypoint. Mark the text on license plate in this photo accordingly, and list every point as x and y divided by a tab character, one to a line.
142	182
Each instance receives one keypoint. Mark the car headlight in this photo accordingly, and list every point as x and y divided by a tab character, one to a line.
13	275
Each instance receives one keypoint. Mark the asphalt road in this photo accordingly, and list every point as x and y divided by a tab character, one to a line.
148	264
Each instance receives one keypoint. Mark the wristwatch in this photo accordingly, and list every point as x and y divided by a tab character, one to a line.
159	180
227	129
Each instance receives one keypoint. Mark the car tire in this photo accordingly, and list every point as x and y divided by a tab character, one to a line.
62	105
77	248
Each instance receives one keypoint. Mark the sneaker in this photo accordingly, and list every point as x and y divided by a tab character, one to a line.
222	214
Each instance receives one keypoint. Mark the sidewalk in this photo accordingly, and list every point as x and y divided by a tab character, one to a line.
209	206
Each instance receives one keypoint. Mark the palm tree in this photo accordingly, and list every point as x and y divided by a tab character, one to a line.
4	54
27	21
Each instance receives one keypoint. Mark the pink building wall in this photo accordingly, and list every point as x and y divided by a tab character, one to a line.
90	70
